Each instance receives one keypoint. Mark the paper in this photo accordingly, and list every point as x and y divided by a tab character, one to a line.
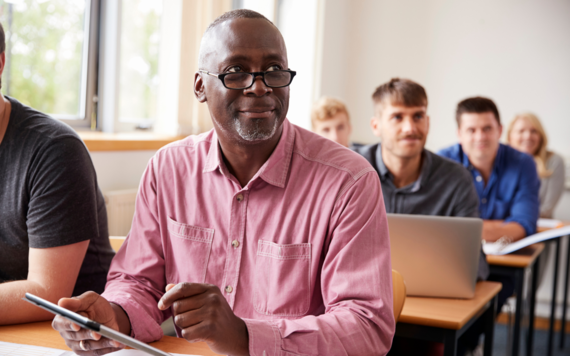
503	249
10	349
549	223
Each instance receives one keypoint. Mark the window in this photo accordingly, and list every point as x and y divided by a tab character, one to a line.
48	56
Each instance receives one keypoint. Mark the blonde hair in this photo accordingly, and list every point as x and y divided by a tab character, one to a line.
541	155
325	108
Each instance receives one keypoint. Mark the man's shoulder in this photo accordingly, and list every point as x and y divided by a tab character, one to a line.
318	150
443	167
192	143
31	121
452	152
516	160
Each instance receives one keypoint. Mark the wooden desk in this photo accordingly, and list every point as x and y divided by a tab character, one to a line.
514	265
42	334
445	320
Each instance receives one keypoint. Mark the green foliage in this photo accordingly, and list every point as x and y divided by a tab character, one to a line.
44	53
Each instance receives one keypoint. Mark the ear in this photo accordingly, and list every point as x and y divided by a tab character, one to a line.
376	127
199	89
2	62
427	122
500	130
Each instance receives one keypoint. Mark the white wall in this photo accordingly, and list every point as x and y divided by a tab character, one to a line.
118	170
516	52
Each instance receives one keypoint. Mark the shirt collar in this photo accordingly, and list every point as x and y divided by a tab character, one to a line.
274	171
414	187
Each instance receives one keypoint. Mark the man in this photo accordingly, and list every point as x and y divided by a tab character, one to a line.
330	119
266	238
53	223
415	180
506	180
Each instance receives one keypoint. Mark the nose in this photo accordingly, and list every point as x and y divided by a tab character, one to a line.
408	125
258	88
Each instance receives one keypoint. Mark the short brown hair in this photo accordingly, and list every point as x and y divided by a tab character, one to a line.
325	108
401	92
478	105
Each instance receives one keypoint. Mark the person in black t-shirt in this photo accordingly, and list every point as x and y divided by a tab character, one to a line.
54	240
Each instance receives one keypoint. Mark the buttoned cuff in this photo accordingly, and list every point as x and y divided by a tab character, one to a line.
263	336
143	327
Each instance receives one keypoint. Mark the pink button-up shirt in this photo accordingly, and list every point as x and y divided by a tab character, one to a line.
301	253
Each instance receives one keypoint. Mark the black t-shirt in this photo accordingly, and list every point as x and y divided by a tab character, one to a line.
49	197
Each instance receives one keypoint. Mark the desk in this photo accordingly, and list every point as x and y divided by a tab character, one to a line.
555	290
514	265
445	320
42	334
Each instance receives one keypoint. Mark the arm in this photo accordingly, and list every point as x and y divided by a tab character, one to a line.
524	208
495	229
466	200
356	286
52	275
555	188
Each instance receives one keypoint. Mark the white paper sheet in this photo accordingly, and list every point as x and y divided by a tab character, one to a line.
549	223
11	349
501	249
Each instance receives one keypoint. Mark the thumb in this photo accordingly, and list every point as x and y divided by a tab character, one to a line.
79	303
170	286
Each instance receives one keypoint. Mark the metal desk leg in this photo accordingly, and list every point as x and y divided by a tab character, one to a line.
565	302
519	282
553	303
533	288
490	327
450	343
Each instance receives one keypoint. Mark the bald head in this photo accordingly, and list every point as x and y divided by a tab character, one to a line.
221	30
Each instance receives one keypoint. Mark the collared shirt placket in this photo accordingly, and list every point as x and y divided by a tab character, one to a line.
234	245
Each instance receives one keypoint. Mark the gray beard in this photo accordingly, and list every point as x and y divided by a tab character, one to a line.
256	133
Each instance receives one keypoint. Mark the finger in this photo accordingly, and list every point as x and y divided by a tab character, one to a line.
181	290
83	334
192	303
61	324
170	286
189	318
92	345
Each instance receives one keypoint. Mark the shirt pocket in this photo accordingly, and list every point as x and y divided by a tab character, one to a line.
190	248
282	279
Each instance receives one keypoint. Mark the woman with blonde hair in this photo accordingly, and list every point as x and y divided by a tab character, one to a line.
525	133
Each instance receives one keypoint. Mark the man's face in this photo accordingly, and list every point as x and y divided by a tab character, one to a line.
250	115
402	130
336	128
479	135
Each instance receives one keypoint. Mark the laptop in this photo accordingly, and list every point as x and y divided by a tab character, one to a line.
437	256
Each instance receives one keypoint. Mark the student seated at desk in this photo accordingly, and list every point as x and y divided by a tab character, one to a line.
415	180
330	119
506	180
258	236
53	223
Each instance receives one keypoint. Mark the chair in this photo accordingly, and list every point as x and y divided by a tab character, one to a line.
117	242
399	290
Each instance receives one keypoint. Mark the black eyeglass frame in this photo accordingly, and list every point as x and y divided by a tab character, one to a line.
221	77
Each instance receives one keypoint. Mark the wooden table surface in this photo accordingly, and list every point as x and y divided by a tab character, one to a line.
520	259
42	334
447	313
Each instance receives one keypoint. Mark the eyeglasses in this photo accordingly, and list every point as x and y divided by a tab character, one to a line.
244	80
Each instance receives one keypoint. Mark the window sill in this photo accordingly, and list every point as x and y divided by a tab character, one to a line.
139	141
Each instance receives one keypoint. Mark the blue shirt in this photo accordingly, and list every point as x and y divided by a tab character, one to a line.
512	191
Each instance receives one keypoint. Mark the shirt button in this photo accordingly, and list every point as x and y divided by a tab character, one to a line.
478	179
235	243
229	289
484	201
239	197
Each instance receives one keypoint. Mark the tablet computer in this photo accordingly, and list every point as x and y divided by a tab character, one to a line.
93	325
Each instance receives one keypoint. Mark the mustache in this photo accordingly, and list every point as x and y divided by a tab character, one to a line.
412	137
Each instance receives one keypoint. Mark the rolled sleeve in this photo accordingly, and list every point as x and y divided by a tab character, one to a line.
525	204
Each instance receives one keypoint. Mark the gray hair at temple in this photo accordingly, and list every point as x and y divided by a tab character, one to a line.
230	15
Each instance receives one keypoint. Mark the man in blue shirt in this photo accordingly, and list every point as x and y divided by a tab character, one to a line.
505	179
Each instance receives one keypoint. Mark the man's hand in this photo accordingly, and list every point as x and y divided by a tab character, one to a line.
203	314
82	341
